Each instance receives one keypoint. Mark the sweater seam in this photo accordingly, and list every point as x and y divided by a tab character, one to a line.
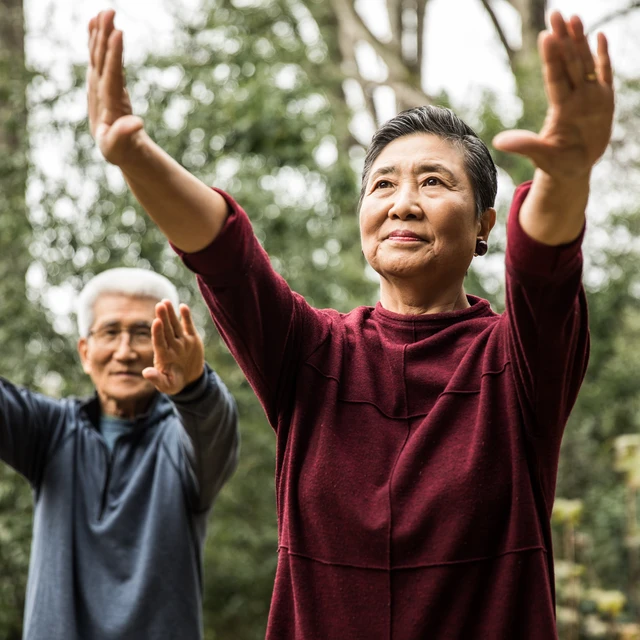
422	565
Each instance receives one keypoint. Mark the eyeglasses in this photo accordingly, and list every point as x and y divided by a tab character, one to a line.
111	336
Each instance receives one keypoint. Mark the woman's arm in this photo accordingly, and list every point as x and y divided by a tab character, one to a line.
189	213
575	134
263	322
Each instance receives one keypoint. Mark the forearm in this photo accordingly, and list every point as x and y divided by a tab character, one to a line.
553	212
189	213
210	421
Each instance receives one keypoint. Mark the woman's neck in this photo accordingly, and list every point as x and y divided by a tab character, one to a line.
415	300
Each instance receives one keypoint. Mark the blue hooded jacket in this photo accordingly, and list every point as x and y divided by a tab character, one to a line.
118	537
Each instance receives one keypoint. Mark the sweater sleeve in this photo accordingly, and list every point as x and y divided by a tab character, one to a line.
265	325
209	436
547	326
31	426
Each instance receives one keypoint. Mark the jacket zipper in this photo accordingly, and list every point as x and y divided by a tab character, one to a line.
107	482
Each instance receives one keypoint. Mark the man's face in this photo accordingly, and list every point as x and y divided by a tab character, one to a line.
116	351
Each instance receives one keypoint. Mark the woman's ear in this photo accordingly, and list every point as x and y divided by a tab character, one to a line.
486	222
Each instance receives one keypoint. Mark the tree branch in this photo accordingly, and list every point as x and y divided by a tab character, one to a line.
498	27
421	11
394	10
614	15
355	29
350	68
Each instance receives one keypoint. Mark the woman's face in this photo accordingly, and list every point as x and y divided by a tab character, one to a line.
418	215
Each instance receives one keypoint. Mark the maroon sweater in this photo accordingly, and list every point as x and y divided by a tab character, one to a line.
416	455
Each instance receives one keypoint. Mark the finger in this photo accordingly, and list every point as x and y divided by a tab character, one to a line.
556	81
173	318
167	328
93	38
105	29
604	68
572	62
99	45
582	47
158	379
123	128
187	320
524	143
158	338
113	73
558	25
151	374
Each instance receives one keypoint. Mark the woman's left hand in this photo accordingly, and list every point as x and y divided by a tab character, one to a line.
178	351
579	87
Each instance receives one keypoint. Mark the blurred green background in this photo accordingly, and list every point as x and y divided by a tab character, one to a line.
265	98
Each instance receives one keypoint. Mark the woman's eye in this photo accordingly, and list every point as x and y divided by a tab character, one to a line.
432	182
383	184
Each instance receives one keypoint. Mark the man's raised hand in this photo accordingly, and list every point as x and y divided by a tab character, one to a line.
579	87
112	124
178	352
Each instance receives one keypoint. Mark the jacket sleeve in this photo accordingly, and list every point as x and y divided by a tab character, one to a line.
209	437
31	426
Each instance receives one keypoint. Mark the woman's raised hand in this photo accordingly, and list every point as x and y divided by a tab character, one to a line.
112	124
579	87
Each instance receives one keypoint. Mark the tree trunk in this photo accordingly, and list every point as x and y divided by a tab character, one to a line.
15	230
526	63
15	311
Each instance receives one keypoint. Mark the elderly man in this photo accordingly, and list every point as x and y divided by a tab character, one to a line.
123	481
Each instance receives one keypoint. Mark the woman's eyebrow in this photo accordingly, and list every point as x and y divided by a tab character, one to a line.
425	167
435	167
383	171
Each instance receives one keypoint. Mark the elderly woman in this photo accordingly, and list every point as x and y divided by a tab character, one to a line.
418	440
123	481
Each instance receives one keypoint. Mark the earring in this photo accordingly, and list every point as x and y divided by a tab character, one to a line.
481	247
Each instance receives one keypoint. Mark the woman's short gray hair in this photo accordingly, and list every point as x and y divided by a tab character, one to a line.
443	123
137	283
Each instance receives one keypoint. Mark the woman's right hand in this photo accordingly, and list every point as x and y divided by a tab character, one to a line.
116	130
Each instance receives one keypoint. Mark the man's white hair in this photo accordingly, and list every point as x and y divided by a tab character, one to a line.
137	283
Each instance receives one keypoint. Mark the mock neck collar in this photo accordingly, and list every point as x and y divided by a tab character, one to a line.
479	308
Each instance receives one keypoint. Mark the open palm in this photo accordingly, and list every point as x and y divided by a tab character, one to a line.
110	115
579	89
178	352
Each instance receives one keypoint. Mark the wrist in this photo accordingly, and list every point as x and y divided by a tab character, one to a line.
577	181
553	211
195	376
140	153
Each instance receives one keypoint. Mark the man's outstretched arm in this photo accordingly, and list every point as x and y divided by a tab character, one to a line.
208	415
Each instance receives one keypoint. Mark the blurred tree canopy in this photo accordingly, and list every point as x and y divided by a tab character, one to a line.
259	97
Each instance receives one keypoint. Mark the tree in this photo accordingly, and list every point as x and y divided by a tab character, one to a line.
20	320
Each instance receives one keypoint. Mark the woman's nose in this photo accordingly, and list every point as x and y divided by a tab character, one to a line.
405	205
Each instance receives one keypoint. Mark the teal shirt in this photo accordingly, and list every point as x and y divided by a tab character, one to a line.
112	428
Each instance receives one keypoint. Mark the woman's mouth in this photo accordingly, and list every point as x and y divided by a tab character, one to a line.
404	236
